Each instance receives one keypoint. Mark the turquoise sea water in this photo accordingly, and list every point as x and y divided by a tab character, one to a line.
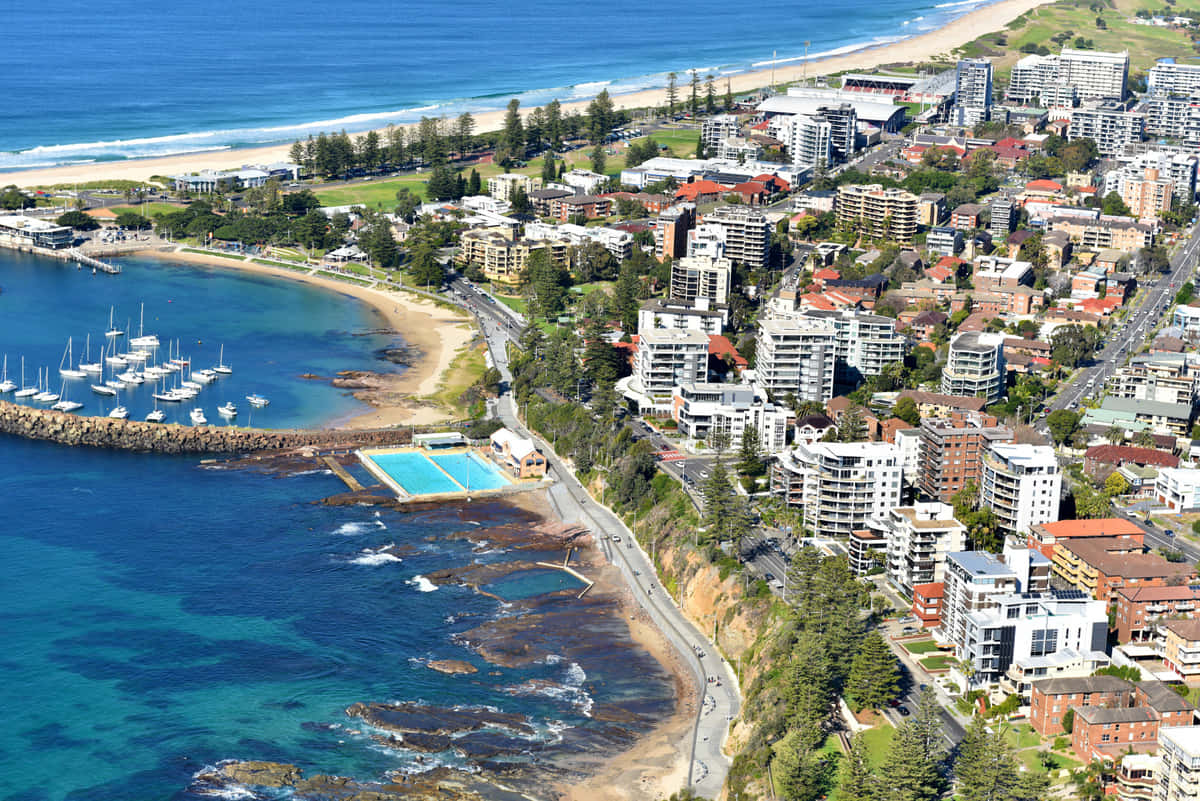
160	615
87	81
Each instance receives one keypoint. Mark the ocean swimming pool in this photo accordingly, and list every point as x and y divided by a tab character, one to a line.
471	470
420	473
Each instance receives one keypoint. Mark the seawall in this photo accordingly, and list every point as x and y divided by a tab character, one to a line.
134	435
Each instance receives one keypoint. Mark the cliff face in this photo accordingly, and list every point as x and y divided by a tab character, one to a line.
134	435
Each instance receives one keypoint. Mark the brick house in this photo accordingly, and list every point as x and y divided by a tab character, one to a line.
517	454
1051	698
1139	608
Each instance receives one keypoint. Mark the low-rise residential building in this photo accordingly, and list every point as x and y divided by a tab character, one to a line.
944	240
1178	488
1101	566
927	603
1021	484
587	207
935	404
734	411
501	257
1133	415
994	273
918	539
838	486
618	243
1063	664
1043	537
1172	378
1050	699
952	450
1140	610
967	217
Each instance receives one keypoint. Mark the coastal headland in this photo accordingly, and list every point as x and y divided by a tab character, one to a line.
925	47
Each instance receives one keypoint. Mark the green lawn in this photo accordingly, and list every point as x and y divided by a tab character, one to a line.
1022	736
1145	43
682	142
938	662
374	194
147	209
877	739
920	646
298	268
222	254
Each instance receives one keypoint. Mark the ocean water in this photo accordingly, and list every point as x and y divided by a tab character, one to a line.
86	82
273	332
161	615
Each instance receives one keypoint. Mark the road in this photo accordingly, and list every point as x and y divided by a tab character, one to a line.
1141	320
720	701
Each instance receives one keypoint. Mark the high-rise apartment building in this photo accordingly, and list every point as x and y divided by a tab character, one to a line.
797	357
839	485
701	277
747	234
918	539
952	449
975	366
972	92
878	213
1022	485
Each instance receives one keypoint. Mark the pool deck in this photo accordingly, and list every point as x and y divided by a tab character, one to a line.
514	486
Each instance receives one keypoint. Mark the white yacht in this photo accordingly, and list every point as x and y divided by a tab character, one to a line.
90	366
257	401
156	416
6	385
227	410
119	413
222	367
143	340
197	417
112	331
24	391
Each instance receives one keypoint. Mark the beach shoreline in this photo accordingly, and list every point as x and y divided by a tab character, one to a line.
922	47
434	332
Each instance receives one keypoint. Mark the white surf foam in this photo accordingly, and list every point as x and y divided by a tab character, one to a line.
423	584
375	559
351	529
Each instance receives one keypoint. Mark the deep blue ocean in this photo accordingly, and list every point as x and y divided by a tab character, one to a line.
161	615
86	81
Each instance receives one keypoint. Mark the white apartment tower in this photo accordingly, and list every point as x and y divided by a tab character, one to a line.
797	357
668	357
975	367
747	234
701	277
866	343
919	537
973	92
1178	772
839	485
716	129
808	140
1022	485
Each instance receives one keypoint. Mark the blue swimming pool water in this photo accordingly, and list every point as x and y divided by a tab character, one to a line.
414	472
529	583
480	475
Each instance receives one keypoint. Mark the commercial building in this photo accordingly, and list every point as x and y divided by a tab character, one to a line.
838	486
517	454
1021	484
797	357
975	366
1102	566
919	537
952	450
734	411
666	358
972	92
878	213
1178	488
24	231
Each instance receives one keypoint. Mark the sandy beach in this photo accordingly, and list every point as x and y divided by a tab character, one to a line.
437	333
919	48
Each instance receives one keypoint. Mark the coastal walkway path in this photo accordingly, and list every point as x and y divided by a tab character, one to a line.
717	704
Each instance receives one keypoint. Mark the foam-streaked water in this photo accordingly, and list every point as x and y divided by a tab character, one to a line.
160	615
90	82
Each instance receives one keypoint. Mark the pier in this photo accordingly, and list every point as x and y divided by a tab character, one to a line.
342	473
89	261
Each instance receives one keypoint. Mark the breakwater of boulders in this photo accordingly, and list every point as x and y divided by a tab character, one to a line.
134	435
